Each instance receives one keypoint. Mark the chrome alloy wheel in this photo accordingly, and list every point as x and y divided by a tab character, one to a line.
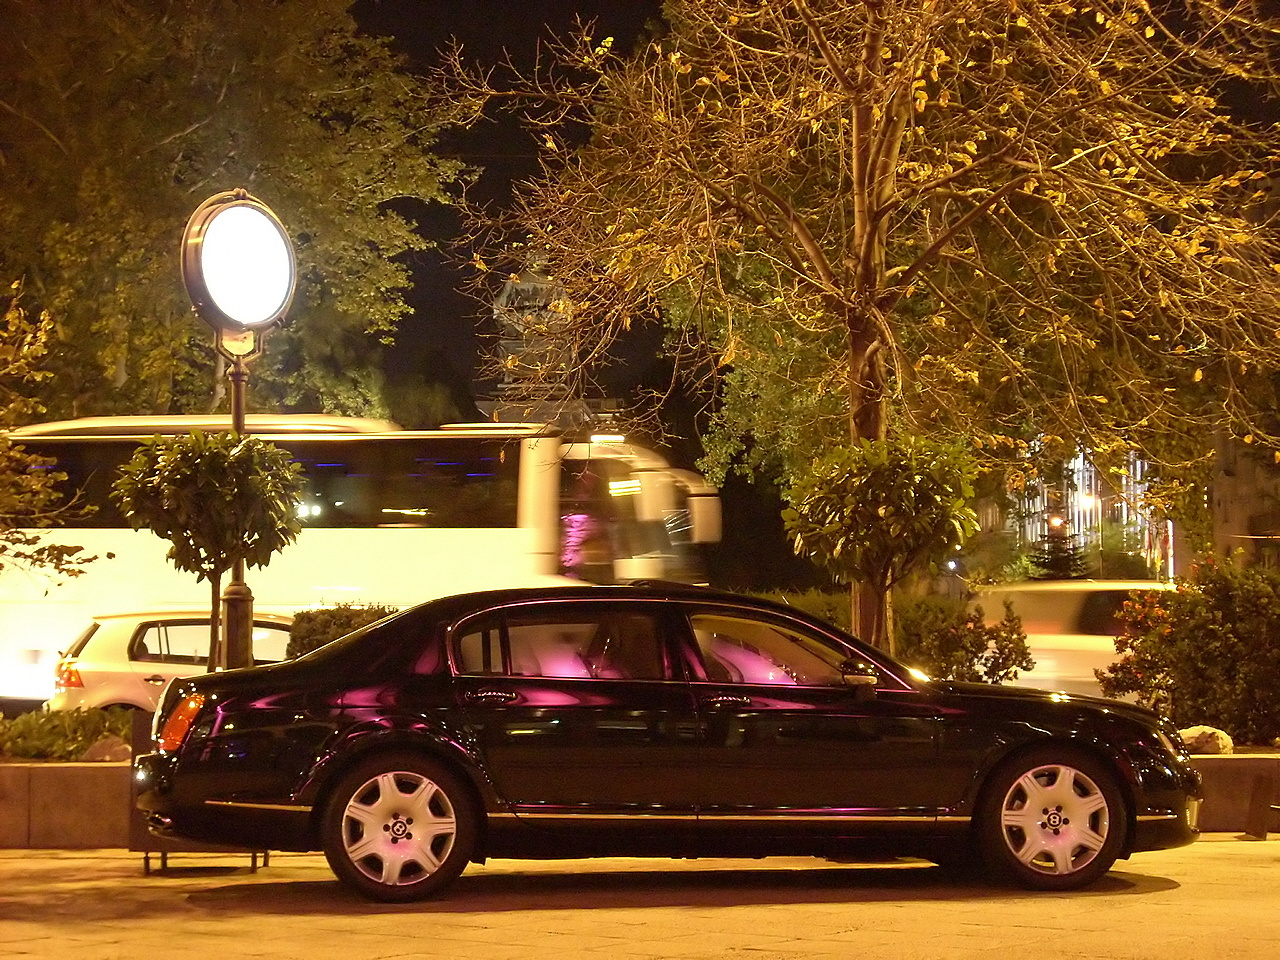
1055	819
398	828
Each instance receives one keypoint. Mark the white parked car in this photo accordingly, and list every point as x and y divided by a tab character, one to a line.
125	659
1071	626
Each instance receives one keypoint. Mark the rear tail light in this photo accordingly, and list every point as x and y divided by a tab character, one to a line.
67	675
178	723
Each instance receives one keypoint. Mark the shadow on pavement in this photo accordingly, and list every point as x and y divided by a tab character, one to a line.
632	889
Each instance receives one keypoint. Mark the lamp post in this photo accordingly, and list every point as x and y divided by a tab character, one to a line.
238	268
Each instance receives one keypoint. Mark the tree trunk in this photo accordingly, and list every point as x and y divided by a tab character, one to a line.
872	613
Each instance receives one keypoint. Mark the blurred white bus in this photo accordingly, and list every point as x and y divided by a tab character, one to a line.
389	516
1071	627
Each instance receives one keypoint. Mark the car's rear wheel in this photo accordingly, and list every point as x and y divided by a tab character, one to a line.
399	827
1053	819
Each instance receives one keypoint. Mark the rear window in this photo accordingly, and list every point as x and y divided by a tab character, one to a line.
75	648
1100	613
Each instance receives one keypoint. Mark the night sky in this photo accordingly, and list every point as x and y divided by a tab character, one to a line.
441	336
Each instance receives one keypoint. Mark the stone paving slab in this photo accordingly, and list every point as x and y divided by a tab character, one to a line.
1219	897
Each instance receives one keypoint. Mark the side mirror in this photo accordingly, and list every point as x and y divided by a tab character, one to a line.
860	676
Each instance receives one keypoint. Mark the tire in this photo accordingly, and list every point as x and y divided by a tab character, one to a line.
399	827
1052	819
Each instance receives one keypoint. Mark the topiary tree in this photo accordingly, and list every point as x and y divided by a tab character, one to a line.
218	499
874	512
948	641
1206	652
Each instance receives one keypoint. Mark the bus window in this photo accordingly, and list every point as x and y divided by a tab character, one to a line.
408	482
412	482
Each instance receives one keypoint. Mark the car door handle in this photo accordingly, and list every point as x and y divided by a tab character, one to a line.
490	696
723	700
154	678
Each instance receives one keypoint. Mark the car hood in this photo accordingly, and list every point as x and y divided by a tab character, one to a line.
994	691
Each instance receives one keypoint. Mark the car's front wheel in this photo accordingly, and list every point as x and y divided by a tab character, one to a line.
1053	819
399	827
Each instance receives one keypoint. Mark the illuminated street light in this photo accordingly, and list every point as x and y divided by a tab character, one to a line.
239	271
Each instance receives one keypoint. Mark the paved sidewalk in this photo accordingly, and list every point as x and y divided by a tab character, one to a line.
1219	898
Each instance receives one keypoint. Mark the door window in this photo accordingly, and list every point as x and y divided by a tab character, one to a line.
736	650
183	643
602	645
270	642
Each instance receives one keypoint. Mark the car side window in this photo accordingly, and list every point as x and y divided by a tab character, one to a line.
738	650
188	643
270	643
179	643
479	650
607	645
145	645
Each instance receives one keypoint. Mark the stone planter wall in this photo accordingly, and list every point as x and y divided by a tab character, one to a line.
1239	789
70	806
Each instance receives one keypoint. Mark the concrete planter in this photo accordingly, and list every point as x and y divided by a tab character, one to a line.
70	806
1239	789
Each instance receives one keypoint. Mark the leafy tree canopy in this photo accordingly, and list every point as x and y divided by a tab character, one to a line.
28	485
118	118
1037	225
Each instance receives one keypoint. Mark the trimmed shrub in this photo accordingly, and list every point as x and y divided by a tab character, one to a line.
312	629
1206	652
948	641
61	734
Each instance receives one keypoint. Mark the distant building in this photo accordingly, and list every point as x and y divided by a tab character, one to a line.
1243	501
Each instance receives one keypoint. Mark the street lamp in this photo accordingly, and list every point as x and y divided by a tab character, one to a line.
238	268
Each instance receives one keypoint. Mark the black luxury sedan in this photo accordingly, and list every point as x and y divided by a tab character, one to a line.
650	720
